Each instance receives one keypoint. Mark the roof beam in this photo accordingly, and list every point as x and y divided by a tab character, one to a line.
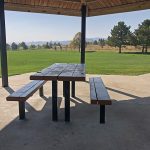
42	9
120	8
83	2
73	7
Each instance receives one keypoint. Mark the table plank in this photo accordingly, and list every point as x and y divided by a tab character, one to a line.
50	73
61	72
72	73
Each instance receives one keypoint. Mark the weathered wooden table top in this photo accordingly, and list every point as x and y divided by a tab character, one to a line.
61	72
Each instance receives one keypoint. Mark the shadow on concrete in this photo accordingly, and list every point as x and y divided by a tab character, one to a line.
77	99
127	127
45	98
123	93
86	81
9	89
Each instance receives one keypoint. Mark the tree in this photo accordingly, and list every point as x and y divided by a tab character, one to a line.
60	46
109	41
32	46
23	45
55	46
50	45
133	39
95	42
39	46
7	46
76	42
46	45
143	34
14	46
119	35
101	42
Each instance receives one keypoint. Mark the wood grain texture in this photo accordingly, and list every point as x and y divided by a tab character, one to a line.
61	72
49	73
73	72
25	92
93	95
98	92
73	7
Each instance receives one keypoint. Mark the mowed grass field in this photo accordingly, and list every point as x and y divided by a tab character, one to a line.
96	62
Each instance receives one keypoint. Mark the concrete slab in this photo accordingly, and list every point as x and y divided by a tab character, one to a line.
127	120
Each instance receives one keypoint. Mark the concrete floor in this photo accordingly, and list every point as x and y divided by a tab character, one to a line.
127	119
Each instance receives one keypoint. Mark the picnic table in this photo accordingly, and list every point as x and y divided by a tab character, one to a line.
61	72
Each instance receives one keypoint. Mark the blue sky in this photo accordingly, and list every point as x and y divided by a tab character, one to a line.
45	27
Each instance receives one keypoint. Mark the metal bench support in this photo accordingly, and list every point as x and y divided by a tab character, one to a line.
102	113
67	100
73	89
54	101
21	110
41	91
63	89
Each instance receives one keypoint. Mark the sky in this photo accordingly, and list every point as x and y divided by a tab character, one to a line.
30	27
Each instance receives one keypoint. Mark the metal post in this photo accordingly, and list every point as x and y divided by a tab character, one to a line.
63	88
41	91
102	113
4	68
83	33
67	101
54	101
73	89
21	110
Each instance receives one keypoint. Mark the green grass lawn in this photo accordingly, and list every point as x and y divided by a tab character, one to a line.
96	62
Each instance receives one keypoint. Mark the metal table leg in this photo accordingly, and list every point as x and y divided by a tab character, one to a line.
67	100
63	88
73	89
54	101
41	91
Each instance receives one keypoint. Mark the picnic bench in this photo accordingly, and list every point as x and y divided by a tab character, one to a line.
24	93
99	95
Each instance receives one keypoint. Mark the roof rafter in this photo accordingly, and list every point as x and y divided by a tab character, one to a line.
73	7
117	9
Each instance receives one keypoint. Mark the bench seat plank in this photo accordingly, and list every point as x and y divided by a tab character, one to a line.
99	94
92	92
25	92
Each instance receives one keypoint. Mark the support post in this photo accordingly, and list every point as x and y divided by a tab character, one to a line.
21	110
67	101
83	33
3	51
102	113
73	89
41	93
54	101
63	88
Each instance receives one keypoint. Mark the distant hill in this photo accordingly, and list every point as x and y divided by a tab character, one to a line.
65	42
44	42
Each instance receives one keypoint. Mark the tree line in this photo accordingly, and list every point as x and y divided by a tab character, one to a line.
121	35
24	46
